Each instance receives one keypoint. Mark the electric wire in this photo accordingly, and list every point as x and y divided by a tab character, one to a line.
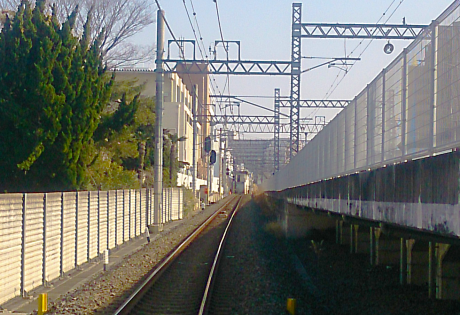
180	48
201	38
212	80
227	81
332	88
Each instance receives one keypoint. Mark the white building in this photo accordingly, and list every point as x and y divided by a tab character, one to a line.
177	108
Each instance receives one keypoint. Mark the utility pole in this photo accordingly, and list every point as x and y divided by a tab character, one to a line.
158	165
224	165
208	157
194	101
220	162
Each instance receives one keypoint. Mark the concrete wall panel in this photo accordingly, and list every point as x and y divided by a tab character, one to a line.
64	230
103	217
127	214
120	218
112	213
10	245
82	230
69	232
33	251
144	207
52	268
93	235
138	213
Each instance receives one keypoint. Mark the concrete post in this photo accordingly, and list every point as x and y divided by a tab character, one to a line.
354	231
446	275
123	232
403	263
377	233
45	243
372	245
61	254
338	231
195	131
23	246
352	239
158	169
88	230
341	232
387	249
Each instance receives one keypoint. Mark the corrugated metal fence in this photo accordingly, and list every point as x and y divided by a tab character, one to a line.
45	235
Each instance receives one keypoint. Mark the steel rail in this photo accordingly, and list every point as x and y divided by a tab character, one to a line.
209	284
142	289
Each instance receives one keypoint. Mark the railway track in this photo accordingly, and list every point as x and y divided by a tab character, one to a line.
182	283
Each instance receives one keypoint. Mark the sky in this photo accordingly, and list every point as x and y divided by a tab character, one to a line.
264	30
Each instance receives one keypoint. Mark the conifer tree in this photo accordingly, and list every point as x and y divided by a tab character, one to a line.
53	88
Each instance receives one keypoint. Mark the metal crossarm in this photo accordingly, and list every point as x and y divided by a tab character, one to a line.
241	119
261	124
269	128
361	31
234	67
317	103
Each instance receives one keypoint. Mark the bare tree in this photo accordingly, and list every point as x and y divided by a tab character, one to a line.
118	19
9	4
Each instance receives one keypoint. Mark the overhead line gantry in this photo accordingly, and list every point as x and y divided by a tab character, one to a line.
292	68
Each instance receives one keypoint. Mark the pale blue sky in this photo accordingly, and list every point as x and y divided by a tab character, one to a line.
264	29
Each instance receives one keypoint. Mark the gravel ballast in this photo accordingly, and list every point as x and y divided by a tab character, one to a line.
334	283
107	290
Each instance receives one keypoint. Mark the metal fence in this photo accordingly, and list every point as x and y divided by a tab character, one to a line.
410	110
45	235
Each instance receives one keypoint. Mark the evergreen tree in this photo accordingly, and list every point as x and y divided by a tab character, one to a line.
53	87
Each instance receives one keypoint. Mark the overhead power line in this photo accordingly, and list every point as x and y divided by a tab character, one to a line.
332	88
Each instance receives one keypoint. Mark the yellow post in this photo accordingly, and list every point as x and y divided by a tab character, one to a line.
42	303
291	306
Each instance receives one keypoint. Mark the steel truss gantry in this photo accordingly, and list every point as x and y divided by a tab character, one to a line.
361	31
233	67
316	103
293	68
262	124
326	30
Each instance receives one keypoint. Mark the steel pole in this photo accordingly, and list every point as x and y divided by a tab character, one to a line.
158	165
220	162
208	155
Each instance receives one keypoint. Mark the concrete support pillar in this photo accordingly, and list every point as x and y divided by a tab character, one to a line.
338	231
432	270
372	245
448	275
403	262
417	262
352	239
346	233
358	241
356	231
386	249
362	245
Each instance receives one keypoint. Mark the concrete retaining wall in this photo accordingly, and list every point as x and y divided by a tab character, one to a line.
43	236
